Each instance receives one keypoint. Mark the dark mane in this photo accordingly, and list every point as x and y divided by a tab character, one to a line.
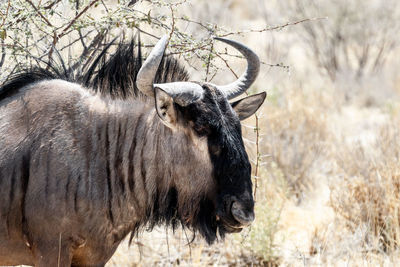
113	75
22	79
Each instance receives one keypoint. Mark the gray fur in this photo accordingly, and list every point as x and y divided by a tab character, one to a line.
81	157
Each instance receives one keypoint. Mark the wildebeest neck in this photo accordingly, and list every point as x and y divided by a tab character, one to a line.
146	164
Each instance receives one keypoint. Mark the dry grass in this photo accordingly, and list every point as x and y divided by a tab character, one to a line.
295	137
369	192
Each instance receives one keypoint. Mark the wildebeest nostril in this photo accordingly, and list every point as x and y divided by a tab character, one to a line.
241	215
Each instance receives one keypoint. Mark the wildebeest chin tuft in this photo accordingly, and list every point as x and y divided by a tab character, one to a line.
88	156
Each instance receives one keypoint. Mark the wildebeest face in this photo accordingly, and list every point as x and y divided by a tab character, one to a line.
216	119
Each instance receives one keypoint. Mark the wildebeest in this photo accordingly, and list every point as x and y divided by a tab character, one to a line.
86	160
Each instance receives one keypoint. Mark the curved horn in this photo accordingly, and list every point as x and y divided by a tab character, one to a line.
248	77
183	93
147	72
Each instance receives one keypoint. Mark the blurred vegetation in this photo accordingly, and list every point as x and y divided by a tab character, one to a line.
271	197
357	38
369	194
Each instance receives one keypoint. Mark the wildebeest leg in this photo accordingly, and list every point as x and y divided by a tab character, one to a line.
54	255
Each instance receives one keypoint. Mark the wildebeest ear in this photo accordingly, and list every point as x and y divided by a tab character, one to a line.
246	107
165	107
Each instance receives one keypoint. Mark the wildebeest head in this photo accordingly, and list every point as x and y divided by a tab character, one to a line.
205	110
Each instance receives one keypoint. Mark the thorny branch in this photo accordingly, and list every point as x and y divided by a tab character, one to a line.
209	61
56	36
6	14
271	28
81	38
52	4
39	13
258	154
173	22
3	54
64	31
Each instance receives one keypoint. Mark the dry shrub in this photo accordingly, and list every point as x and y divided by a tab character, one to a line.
295	138
259	242
369	193
356	39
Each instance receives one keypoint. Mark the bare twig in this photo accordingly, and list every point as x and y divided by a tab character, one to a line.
147	33
209	27
56	36
183	50
228	66
271	28
161	3
173	22
52	4
258	155
3	54
81	38
63	32
55	39
6	14
209	60
39	13
105	6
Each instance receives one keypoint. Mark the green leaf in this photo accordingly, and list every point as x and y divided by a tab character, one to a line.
3	34
149	17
